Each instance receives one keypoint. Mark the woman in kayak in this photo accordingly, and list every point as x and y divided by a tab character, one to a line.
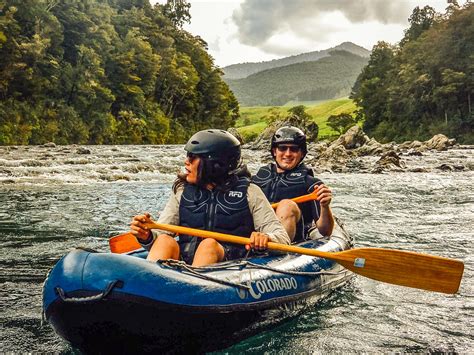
214	193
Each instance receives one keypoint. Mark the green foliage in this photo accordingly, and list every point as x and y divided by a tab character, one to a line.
177	11
274	114
341	122
329	77
425	85
420	21
106	72
300	111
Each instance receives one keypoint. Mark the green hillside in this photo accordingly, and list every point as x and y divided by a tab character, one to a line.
252	119
243	70
327	78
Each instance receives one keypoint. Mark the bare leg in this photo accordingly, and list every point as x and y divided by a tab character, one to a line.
208	252
289	214
164	247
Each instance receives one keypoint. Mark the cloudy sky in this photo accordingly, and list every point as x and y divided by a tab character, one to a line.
239	31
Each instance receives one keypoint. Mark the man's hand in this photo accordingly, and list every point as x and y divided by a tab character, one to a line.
258	241
138	229
324	195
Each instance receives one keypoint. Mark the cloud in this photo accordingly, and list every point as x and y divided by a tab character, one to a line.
260	20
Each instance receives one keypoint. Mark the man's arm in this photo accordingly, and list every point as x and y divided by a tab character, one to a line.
325	222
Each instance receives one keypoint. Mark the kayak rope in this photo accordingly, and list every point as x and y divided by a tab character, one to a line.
115	283
43	311
197	270
288	272
193	270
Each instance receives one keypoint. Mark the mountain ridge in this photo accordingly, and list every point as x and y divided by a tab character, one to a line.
329	77
243	70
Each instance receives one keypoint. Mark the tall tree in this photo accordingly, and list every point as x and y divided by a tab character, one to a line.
425	85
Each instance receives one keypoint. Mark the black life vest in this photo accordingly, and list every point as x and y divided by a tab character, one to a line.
219	211
289	184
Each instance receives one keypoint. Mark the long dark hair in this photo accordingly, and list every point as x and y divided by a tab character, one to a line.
202	180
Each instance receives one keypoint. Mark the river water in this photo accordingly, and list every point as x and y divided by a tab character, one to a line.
56	198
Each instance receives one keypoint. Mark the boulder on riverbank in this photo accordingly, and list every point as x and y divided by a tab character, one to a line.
344	153
355	151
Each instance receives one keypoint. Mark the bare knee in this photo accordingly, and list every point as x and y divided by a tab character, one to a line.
288	209
164	247
289	214
208	252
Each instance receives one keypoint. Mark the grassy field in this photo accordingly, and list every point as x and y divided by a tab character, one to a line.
252	120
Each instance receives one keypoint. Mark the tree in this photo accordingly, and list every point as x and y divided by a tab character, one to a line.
300	111
420	21
274	115
424	86
341	122
371	89
177	11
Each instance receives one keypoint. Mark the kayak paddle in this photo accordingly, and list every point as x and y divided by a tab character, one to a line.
398	267
305	198
123	243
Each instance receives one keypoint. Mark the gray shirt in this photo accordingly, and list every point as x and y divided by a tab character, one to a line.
264	218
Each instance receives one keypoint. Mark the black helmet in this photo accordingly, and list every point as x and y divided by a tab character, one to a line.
291	135
219	151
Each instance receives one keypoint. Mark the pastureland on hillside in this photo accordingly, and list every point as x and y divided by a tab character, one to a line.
252	119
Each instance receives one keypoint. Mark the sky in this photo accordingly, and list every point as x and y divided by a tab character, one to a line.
239	31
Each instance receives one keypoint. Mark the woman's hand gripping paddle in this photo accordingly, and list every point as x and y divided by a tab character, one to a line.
404	268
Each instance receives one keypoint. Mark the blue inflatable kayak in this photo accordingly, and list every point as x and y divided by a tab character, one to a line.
104	302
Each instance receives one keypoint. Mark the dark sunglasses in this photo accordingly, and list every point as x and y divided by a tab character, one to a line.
191	156
292	148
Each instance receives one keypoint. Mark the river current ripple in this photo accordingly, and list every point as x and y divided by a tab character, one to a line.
56	198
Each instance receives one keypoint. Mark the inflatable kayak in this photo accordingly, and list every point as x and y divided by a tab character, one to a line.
105	302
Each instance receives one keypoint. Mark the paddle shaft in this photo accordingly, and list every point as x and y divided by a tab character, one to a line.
300	199
127	242
396	267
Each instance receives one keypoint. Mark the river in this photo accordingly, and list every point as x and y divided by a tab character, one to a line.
56	198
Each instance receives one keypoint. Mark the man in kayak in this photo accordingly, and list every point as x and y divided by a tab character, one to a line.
287	178
214	193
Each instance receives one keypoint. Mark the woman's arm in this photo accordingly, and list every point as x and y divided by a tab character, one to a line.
169	215
264	217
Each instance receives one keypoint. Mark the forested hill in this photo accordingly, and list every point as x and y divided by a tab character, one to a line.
105	72
243	70
424	85
329	77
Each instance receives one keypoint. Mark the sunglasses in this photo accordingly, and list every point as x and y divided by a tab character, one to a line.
292	148
191	156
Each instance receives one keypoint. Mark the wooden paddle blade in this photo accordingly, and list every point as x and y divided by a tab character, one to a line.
404	268
123	243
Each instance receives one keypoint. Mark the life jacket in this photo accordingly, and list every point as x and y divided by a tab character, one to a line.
289	184
219	211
